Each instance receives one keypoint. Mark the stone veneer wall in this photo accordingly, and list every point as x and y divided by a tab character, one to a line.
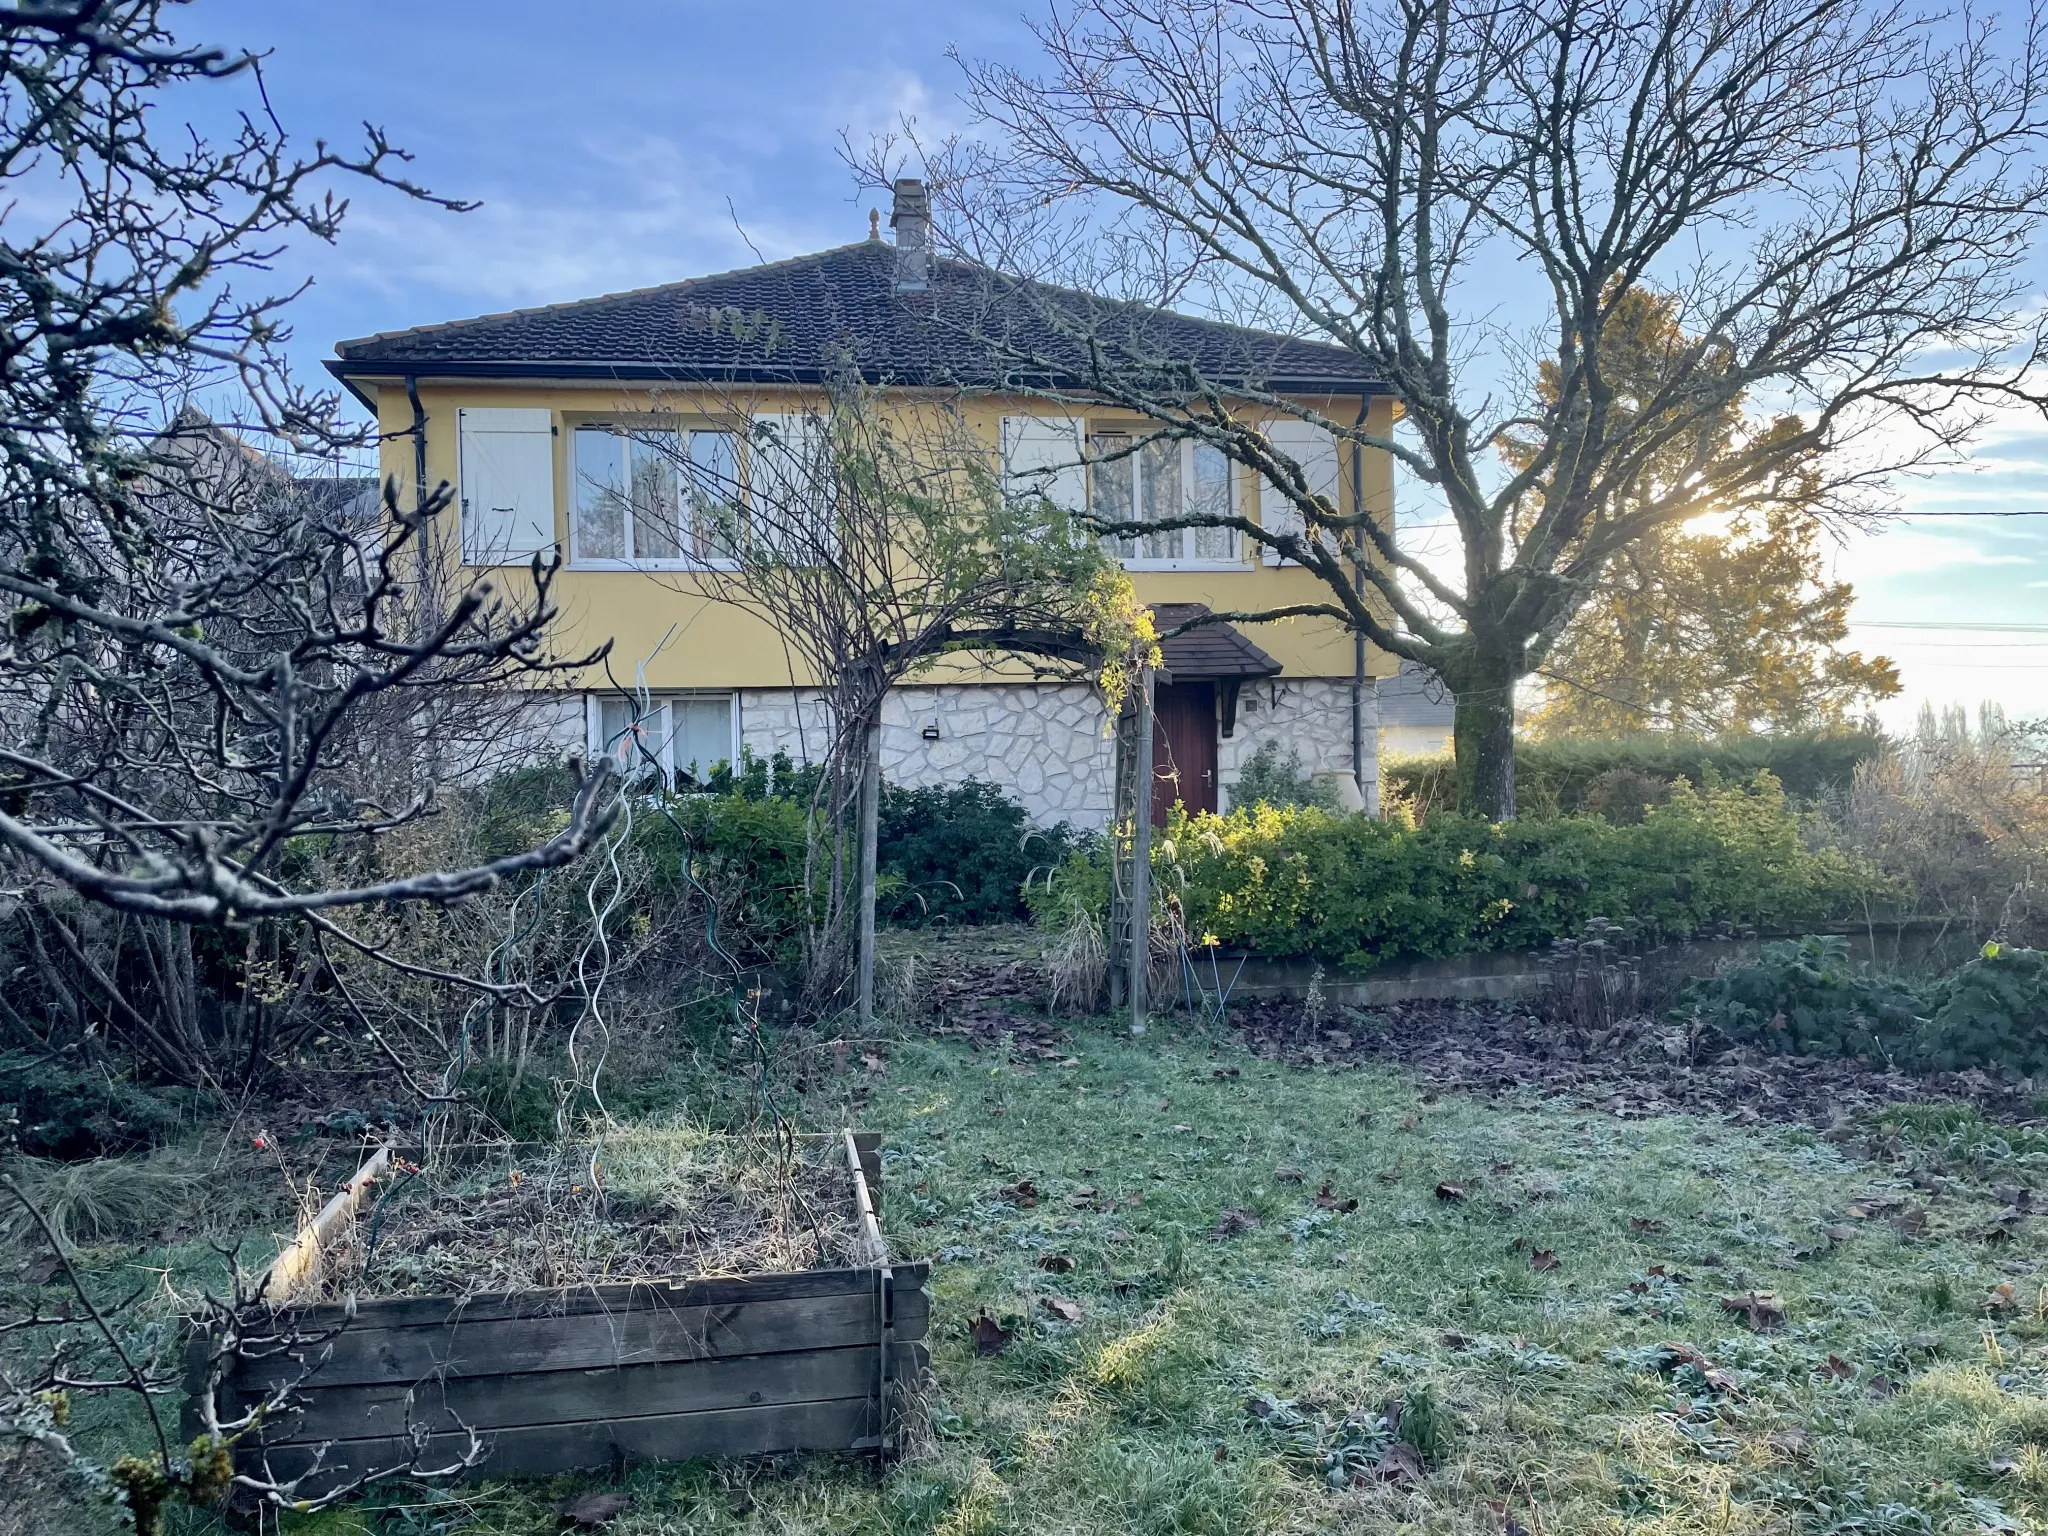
1310	714
1043	743
1040	743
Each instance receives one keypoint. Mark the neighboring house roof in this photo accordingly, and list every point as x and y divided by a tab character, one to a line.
1216	650
801	320
1416	696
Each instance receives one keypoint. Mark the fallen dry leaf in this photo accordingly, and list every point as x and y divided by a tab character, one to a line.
1883	1387
1063	1309
1399	1463
990	1337
1837	1369
1056	1263
1232	1223
1545	1259
1791	1442
1838	1234
1913	1223
1326	1199
1648	1226
1023	1194
1760	1309
1289	1175
589	1511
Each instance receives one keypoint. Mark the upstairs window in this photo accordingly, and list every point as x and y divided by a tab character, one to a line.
1155	479
653	498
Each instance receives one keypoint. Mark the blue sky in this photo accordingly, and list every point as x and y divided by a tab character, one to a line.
619	143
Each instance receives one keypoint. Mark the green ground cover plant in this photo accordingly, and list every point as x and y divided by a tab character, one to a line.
1357	892
1806	997
1575	1323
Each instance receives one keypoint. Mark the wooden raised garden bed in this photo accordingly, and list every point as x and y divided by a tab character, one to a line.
588	1375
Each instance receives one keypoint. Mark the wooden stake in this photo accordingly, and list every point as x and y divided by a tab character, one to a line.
1141	857
870	834
296	1264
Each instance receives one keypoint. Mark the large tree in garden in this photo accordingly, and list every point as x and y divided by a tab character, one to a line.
1728	623
1731	628
1835	197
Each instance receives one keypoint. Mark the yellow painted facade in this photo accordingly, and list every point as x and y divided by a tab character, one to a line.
668	625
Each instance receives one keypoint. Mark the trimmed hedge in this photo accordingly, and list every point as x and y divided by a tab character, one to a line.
1358	892
1566	777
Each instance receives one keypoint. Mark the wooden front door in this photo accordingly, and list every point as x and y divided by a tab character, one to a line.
1183	748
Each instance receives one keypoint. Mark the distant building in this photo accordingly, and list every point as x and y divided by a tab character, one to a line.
1416	711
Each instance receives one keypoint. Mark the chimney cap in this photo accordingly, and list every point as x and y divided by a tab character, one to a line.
910	207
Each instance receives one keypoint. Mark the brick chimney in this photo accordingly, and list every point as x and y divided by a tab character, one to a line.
911	218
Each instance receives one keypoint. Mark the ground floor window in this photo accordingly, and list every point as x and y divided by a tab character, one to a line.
678	737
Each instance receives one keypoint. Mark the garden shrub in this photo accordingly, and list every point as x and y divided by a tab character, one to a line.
53	1107
1358	892
961	853
1804	996
1993	1012
957	853
1273	776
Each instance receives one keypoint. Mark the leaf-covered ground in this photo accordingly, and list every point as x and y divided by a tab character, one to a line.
1536	1318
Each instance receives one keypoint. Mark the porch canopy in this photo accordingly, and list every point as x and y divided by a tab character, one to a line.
1215	653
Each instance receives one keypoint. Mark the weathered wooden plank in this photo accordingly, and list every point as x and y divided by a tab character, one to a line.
301	1260
545	1449
643	1334
439	1311
559	1397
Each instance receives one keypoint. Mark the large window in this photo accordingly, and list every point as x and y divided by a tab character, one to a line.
676	738
1152	480
653	498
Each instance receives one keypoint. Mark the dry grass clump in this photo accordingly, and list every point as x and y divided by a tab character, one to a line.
640	1203
104	1199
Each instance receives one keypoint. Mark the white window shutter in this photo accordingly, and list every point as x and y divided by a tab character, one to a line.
1315	450
507	471
787	484
1045	456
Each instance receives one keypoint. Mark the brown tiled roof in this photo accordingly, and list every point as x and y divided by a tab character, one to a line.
800	321
1217	650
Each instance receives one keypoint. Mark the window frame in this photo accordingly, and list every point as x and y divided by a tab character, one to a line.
629	433
1135	458
664	703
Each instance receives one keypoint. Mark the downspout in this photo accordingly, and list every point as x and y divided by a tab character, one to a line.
1371	797
419	443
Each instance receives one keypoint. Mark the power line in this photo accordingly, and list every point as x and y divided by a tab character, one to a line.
1996	629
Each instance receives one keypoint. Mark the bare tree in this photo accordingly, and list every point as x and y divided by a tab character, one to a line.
878	538
192	658
1835	196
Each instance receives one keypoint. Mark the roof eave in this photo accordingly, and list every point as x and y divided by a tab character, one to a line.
347	369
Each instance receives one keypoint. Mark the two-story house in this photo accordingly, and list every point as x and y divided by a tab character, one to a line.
540	417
